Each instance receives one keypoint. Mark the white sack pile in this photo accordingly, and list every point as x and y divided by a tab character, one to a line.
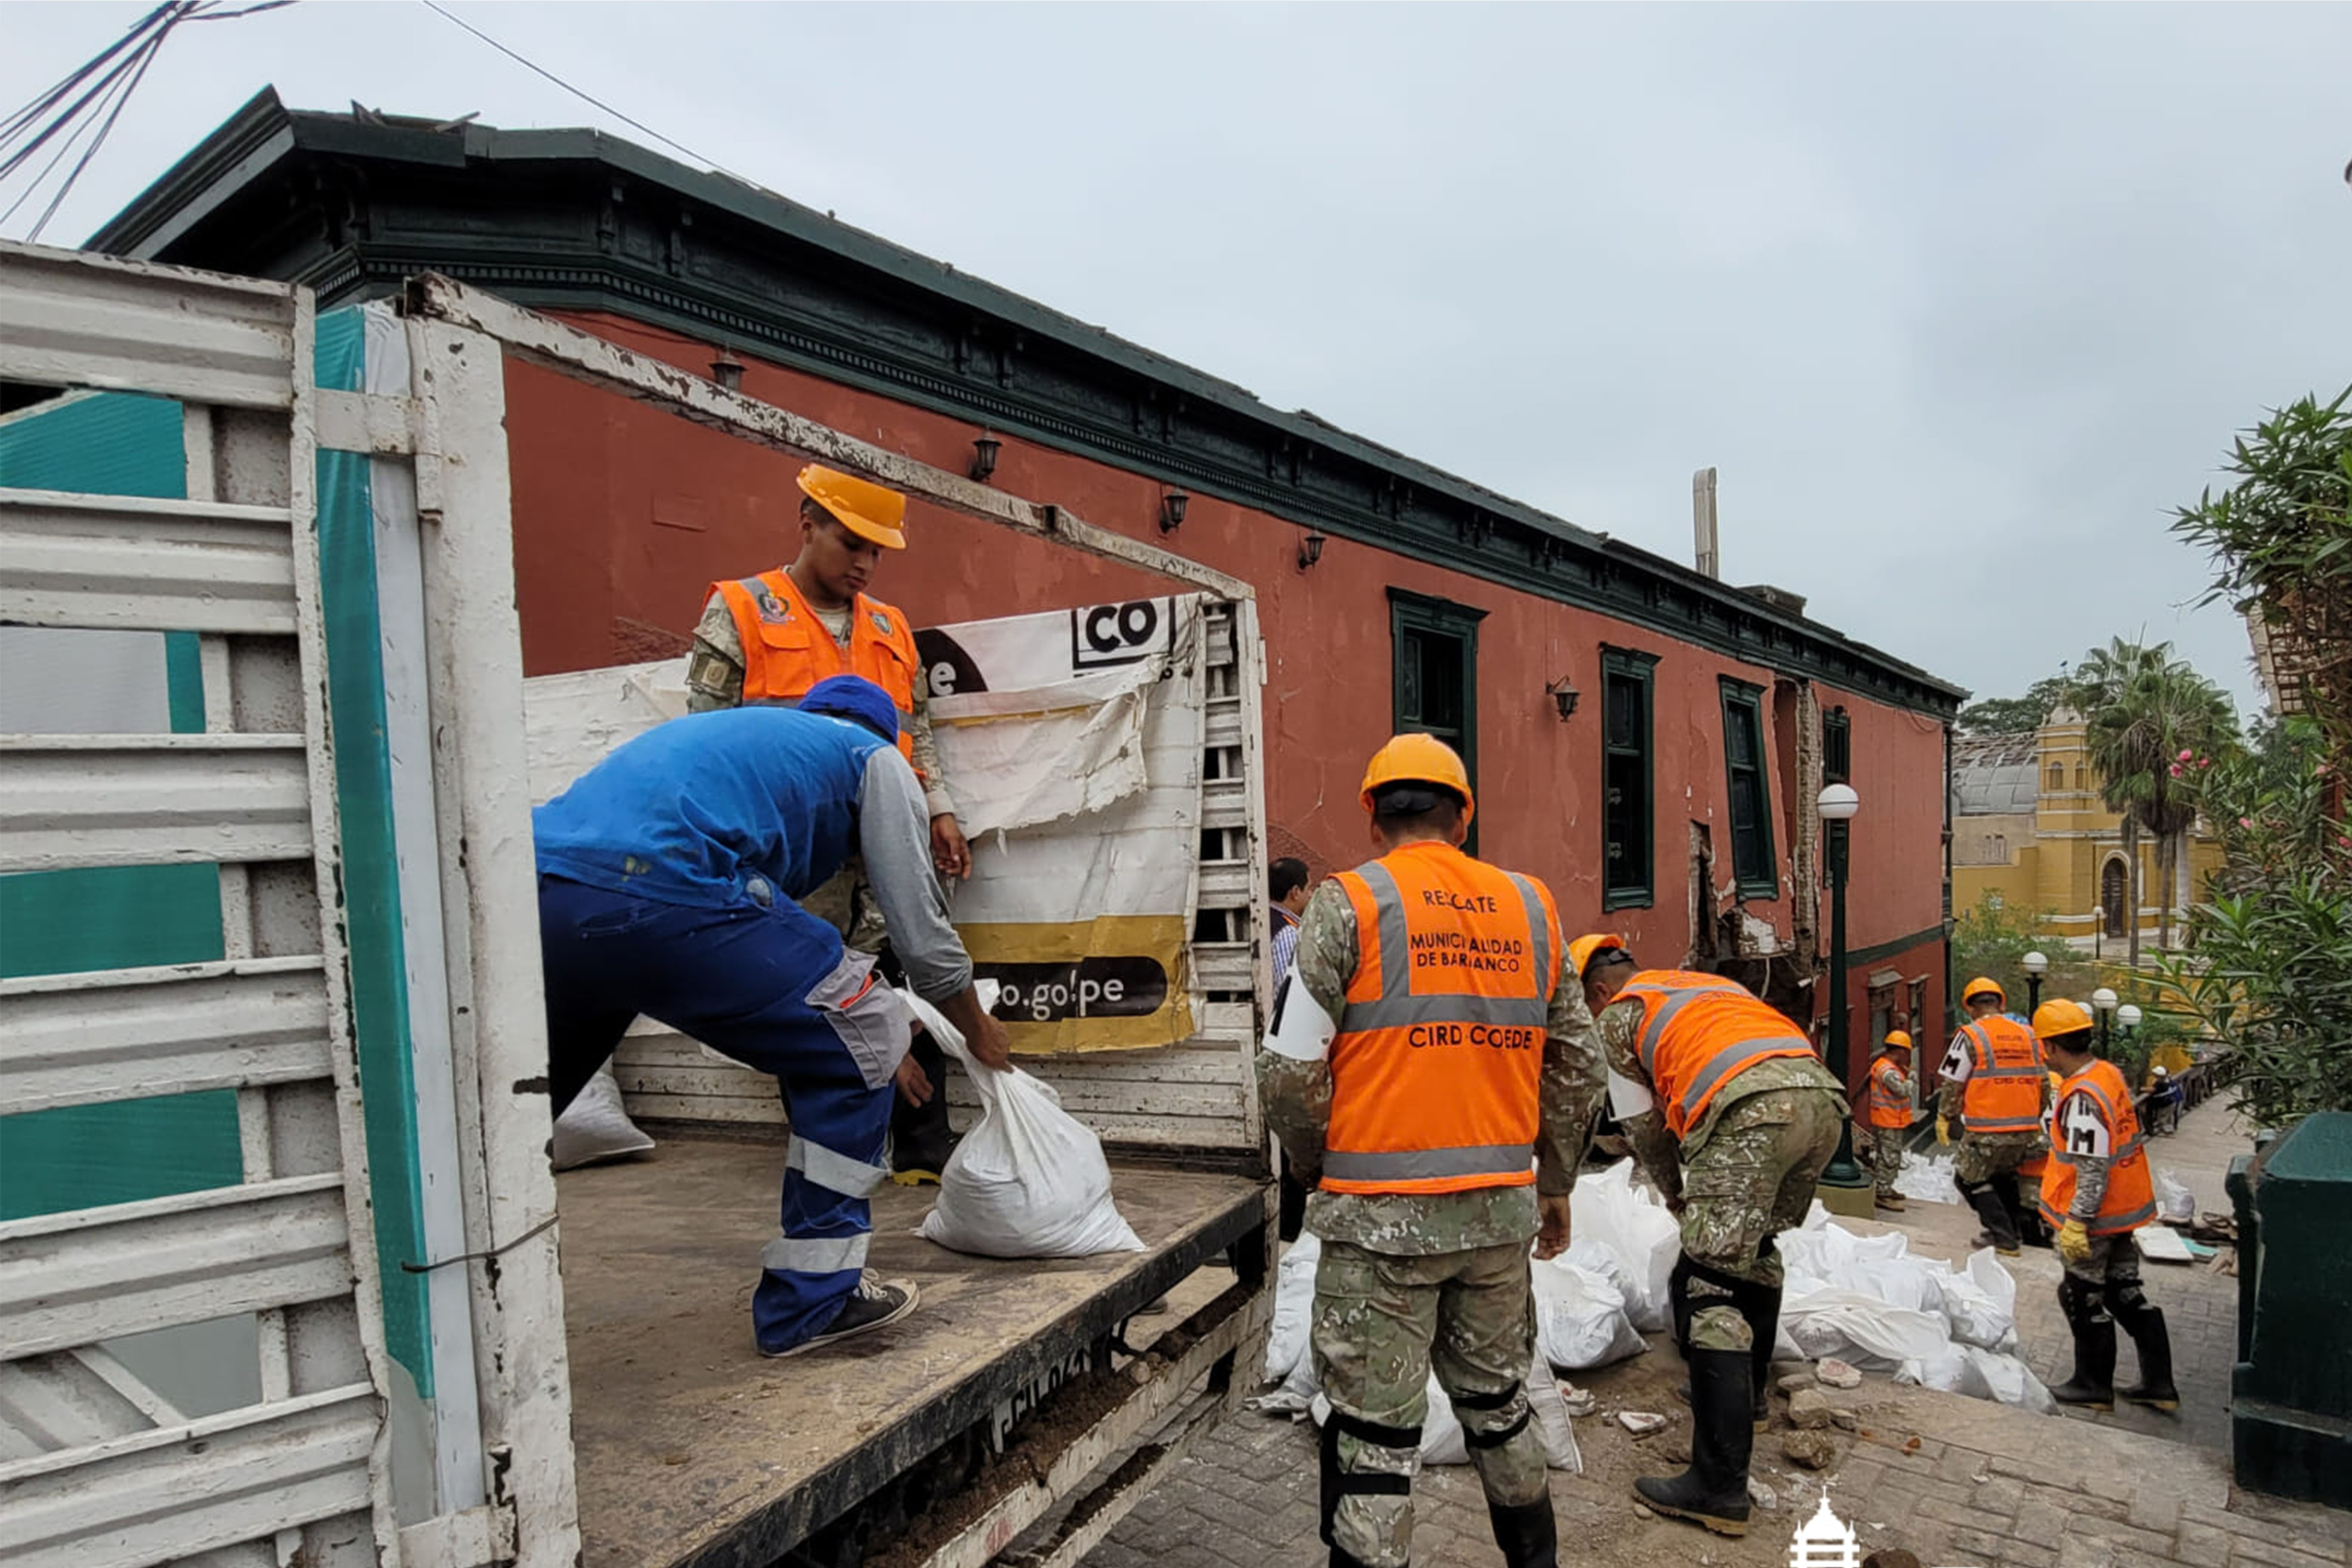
1928	1180
1865	1300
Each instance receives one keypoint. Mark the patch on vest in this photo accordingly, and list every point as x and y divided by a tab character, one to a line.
881	622
771	607
2083	1128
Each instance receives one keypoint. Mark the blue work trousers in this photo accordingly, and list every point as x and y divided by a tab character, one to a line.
770	985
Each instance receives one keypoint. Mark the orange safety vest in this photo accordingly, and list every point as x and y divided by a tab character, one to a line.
1437	1065
786	649
2130	1199
2004	1093
1698	1032
1889	1101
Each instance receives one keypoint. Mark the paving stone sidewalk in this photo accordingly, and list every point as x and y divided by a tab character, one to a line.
1986	1485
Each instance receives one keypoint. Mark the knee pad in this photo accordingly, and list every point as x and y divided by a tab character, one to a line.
2128	1300
2084	1303
1467	1405
1724	1327
1340	1483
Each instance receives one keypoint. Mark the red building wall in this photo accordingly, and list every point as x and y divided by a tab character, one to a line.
624	515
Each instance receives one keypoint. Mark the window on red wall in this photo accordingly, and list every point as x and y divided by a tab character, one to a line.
1629	853
1837	747
1435	657
1753	868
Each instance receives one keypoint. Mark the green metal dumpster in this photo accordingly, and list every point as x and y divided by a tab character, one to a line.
2291	1404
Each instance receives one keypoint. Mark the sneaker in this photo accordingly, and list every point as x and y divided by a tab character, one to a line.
875	1304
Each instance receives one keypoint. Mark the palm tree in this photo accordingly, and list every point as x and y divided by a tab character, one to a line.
2156	719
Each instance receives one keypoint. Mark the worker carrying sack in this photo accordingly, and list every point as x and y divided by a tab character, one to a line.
1027	1181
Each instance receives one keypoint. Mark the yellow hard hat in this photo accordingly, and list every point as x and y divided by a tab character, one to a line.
872	512
2062	1016
1419	759
1980	986
1901	1037
1580	951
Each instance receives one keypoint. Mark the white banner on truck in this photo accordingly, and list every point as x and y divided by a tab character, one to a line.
1072	740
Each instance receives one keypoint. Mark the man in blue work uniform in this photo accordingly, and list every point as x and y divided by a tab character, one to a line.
668	881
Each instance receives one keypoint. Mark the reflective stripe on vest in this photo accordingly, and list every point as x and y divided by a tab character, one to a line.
1698	1032
2129	1201
1888	1105
781	676
2001	1096
1437	1064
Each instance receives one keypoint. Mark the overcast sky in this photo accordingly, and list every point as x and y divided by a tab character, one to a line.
1961	300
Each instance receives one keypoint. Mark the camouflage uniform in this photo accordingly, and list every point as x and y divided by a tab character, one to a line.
1882	1147
1743	1175
1411	1284
1990	1160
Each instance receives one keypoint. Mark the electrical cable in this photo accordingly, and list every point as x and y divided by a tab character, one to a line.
121	101
106	94
583	97
34	109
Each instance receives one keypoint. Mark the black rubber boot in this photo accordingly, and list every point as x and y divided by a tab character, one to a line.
1714	1490
1678	1302
1763	1402
2154	1342
2092	1386
1527	1534
921	1141
2005	1193
1761	1307
1998	1229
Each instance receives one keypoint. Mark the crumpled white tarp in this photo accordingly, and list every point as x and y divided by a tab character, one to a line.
1928	1180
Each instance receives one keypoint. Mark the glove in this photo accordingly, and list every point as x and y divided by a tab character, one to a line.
1943	1133
2074	1241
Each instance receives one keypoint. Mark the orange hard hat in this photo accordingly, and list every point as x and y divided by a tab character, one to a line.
1419	759
1981	986
1580	951
1898	1039
2062	1016
874	512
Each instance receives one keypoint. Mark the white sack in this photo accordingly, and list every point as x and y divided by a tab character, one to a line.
2175	1203
1981	1374
1928	1180
595	1126
1634	1226
1027	1181
1294	1306
1980	1304
1861	1328
1441	1429
1580	1318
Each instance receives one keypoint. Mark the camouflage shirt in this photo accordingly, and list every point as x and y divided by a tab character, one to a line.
1620	1029
714	678
1298	1099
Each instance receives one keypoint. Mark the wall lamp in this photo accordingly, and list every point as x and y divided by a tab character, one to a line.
1563	697
1172	510
1310	550
983	457
728	371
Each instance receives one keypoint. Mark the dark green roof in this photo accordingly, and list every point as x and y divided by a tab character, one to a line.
352	203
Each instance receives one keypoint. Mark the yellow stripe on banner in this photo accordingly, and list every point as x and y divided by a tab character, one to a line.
1075	986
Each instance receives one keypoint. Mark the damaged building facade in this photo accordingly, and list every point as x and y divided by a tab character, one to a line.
1648	739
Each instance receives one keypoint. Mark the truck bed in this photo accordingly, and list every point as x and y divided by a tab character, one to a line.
693	1450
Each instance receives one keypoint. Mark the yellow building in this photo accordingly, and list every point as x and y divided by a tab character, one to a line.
2028	824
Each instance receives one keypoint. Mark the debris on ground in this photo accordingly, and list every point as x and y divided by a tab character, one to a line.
1845	1421
1641	1512
1762	1495
1813	1450
1835	1373
1797	1380
1640	1423
1807	1410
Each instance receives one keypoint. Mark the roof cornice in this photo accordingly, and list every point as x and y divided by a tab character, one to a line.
576	219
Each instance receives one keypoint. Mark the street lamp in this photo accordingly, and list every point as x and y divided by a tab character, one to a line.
1838	804
2127	1017
2102	1002
2036	965
2098	931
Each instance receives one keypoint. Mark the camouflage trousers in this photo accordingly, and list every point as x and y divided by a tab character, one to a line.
1984	1155
1383	1324
1750	1180
1882	1148
2113	1266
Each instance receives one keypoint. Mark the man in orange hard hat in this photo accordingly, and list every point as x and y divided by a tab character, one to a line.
1993	1085
1432	1076
1705	1077
1886	1114
768	639
2098	1190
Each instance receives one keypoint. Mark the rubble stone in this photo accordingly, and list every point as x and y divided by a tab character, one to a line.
1808	1411
1813	1450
